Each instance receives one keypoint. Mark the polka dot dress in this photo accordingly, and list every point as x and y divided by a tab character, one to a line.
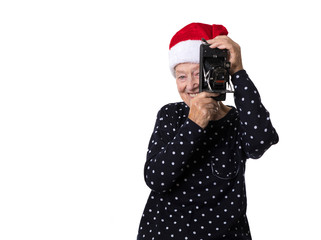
197	175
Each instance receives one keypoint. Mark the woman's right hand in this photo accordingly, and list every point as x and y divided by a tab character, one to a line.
203	108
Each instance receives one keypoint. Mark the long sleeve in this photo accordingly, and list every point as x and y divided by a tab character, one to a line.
197	175
170	148
257	131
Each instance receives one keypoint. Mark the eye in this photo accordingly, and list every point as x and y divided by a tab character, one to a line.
181	77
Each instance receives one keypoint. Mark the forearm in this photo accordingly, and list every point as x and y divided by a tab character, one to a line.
167	160
258	134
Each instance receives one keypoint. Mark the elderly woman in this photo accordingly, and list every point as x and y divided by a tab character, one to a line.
197	152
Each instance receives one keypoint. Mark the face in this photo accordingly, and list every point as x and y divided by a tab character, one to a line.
187	80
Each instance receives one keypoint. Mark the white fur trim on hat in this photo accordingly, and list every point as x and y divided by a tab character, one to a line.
183	52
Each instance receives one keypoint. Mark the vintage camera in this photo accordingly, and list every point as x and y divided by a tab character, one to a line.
214	73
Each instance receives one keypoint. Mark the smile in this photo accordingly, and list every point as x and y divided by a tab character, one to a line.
193	94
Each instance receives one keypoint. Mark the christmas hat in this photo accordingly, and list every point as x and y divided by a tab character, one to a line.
185	44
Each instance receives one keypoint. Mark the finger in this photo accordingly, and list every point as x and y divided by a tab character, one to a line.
210	103
213	105
219	46
208	94
222	45
218	38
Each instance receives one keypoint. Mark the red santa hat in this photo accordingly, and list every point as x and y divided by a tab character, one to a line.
185	44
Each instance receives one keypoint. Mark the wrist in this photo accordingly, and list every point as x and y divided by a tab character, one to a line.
235	70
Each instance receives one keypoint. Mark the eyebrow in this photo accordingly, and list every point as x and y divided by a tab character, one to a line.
193	70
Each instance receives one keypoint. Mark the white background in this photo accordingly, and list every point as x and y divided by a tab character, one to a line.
81	84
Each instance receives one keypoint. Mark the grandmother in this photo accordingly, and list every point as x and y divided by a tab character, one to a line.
198	150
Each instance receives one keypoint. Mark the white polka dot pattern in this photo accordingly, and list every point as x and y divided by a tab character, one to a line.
197	176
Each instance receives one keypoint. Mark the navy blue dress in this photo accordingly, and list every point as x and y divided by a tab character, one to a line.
196	175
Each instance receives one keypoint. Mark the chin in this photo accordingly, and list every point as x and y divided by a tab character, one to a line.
187	102
186	99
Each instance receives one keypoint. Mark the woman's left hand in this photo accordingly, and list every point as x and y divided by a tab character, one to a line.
224	42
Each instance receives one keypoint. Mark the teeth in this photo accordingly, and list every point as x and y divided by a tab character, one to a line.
193	94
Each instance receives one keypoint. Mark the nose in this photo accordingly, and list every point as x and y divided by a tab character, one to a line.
193	83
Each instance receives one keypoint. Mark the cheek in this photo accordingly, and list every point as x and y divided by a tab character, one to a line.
180	87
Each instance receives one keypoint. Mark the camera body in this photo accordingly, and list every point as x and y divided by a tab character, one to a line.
214	73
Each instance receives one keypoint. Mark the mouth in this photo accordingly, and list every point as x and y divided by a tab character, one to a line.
193	94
